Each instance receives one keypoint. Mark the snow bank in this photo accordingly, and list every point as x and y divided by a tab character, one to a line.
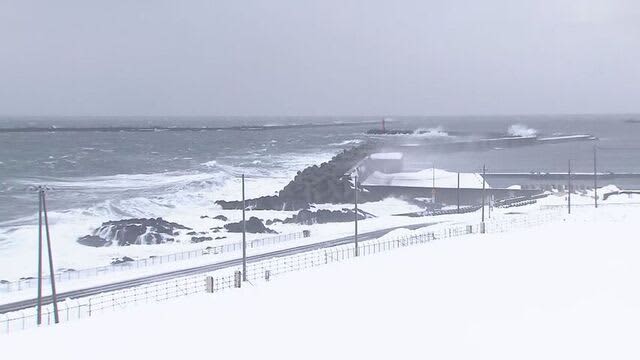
386	156
553	292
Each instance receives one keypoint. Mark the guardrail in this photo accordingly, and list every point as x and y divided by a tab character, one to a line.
27	283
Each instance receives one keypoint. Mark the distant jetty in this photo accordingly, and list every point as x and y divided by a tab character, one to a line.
179	128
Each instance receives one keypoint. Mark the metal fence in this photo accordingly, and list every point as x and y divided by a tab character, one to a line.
510	222
72	309
27	283
263	270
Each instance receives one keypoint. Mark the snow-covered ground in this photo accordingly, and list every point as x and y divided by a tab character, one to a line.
383	210
426	179
564	290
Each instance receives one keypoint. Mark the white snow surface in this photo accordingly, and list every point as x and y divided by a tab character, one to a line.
424	179
386	156
558	291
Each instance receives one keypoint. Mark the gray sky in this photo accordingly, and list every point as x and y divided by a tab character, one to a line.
324	57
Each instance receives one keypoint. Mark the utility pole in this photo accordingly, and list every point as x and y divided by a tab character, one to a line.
484	171
569	187
244	236
595	177
489	204
54	295
355	200
42	210
458	193
433	184
39	307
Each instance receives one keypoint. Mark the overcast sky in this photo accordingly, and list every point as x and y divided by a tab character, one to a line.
324	57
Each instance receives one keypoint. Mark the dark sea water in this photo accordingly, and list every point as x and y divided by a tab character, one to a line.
92	167
100	176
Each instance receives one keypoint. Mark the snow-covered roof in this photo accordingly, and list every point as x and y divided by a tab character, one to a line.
386	156
424	179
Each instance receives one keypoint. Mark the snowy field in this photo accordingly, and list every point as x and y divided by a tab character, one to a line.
565	290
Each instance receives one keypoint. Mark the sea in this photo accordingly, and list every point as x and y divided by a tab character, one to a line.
96	176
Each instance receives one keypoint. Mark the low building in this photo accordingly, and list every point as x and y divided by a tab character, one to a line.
391	162
446	187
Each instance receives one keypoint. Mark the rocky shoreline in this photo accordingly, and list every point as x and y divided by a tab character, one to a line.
324	184
327	183
133	231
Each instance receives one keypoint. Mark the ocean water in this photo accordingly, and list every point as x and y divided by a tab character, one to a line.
100	176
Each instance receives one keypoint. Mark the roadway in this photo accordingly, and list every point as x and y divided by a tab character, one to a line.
24	304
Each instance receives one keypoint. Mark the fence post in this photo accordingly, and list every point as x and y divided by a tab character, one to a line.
209	284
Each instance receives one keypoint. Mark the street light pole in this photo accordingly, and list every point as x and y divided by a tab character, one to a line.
244	235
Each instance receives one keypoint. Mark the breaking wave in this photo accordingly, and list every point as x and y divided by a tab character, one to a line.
347	142
431	132
521	130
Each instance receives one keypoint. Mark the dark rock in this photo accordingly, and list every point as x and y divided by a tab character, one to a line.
94	241
271	222
204	217
306	217
253	225
132	231
221	237
203	232
326	183
221	217
121	260
192	233
199	239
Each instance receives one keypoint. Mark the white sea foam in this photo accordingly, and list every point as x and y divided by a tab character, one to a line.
180	197
347	142
521	130
431	132
122	181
